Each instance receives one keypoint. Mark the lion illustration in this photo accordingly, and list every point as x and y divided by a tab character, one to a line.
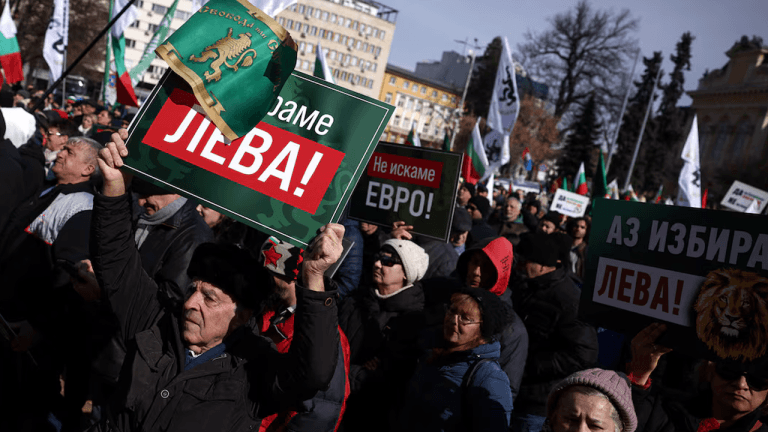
731	314
225	49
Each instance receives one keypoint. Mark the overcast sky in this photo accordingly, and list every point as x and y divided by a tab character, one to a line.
426	28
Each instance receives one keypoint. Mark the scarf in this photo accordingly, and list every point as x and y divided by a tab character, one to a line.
146	222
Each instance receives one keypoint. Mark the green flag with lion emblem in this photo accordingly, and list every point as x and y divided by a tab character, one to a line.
235	58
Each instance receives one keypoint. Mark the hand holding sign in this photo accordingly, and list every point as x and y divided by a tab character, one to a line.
646	353
401	230
110	160
322	252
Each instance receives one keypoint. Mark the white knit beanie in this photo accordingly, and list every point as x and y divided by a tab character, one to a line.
415	260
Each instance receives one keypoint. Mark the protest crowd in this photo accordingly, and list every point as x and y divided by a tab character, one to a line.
138	309
126	305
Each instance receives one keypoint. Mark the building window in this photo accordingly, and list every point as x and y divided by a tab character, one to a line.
354	61
305	29
297	26
346	59
396	121
355	25
358	45
365	47
409	104
140	4
350	42
362	28
302	45
423	90
130	43
374	67
134	24
318	13
313	32
375	32
392	80
382	33
182	15
406	84
301	9
445	97
289	23
310	48
343	76
281	21
434	93
348	23
306	64
336	37
418	106
310	9
340	21
325	16
370	84
388	98
415	88
159	9
453	100
377	52
400	101
152	27
407	124
333	18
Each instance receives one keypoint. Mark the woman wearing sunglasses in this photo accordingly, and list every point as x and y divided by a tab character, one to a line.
459	385
381	322
734	401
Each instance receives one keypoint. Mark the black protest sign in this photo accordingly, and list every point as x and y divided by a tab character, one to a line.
702	272
412	184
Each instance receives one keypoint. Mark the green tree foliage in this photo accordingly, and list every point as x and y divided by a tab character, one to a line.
481	85
581	143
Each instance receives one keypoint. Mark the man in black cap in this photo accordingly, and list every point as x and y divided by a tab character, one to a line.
560	344
201	367
460	227
550	222
531	209
478	208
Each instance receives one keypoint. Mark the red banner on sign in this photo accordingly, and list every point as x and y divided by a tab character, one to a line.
269	160
406	169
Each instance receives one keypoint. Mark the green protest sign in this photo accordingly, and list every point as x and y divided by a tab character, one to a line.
235	58
288	176
412	184
702	272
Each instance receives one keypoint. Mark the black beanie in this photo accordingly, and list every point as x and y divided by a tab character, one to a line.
461	221
493	311
538	247
482	205
470	187
552	216
233	270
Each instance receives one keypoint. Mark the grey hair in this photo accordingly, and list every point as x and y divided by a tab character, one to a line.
514	199
94	148
591	391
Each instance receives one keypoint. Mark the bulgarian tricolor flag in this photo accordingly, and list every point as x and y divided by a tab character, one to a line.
580	182
658	195
413	137
321	66
123	86
475	161
10	57
630	195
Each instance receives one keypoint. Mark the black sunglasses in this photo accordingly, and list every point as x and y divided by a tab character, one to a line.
387	260
731	374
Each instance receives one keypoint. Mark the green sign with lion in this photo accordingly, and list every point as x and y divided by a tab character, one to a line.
704	273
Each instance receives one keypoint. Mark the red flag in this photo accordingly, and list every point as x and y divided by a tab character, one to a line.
704	199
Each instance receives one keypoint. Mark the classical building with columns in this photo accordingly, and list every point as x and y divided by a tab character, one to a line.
732	108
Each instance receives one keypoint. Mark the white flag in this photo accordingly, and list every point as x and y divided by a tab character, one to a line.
125	20
753	208
689	194
496	150
7	27
272	7
613	189
504	101
57	39
321	65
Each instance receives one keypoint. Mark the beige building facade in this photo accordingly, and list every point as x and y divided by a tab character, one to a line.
732	108
425	105
356	37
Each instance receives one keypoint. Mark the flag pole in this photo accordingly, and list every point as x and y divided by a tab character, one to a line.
621	116
82	55
463	97
642	129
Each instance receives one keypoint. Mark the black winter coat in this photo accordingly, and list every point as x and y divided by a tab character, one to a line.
442	257
231	392
560	344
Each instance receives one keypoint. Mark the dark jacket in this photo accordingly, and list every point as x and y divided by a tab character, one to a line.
656	413
350	271
386	329
560	344
434	401
479	232
168	248
442	257
514	337
230	392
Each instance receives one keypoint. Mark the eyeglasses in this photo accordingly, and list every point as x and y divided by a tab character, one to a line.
730	373
463	320
386	260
